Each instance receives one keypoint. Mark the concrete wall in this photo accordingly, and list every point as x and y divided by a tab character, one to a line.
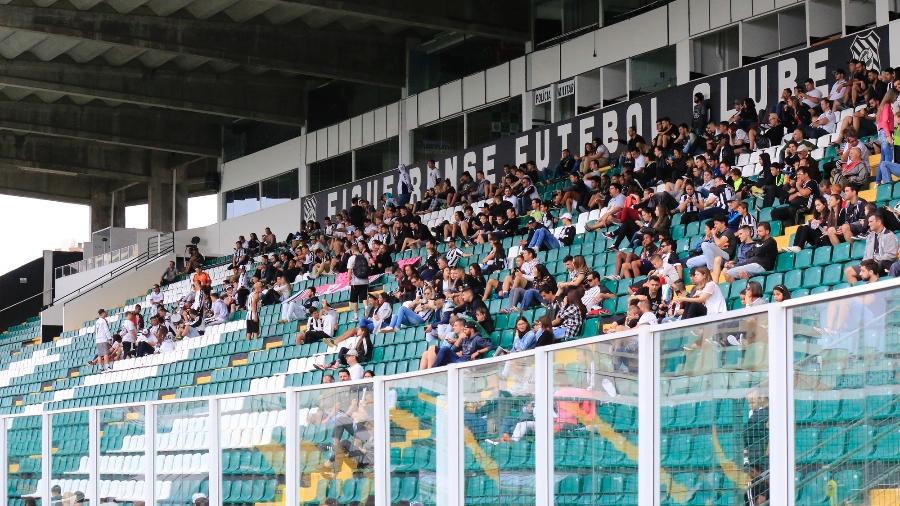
218	239
113	293
68	284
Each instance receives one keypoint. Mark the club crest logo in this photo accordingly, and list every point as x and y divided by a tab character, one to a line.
865	49
309	209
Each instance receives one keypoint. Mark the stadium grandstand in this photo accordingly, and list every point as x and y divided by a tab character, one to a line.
548	252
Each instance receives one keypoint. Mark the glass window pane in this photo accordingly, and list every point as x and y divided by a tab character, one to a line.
23	452
595	439
336	445
69	464
252	440
846	402
714	411
377	158
498	432
280	189
242	201
330	173
122	455
491	123
418	414
435	141
182	451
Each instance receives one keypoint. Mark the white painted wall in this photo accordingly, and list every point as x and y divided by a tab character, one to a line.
113	293
263	164
218	239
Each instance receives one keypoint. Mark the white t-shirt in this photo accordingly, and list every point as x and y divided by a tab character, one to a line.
127	331
101	331
715	304
154	299
356	371
830	123
837	90
812	93
647	318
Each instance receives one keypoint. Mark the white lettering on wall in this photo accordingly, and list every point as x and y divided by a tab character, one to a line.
542	149
564	131
634	116
388	183
330	203
724	111
487	162
450	167
610	133
585	132
469	161
415	176
521	142
760	97
787	74
817	73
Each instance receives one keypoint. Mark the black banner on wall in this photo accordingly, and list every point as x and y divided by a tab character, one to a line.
762	81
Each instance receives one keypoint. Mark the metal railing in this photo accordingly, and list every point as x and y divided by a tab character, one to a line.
157	246
110	257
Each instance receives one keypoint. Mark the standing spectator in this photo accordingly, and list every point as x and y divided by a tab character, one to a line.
881	246
358	268
128	331
102	337
404	185
885	124
254	301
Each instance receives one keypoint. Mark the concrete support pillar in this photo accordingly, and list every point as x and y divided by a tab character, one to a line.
107	207
165	196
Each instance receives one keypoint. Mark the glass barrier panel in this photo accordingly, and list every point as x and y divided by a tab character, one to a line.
182	451
714	412
337	445
419	454
69	462
846	400
595	423
122	455
498	432
252	439
23	453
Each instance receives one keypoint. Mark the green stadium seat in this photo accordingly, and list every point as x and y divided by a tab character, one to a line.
833	274
841	253
883	193
784	262
858	250
822	255
793	279
803	259
812	277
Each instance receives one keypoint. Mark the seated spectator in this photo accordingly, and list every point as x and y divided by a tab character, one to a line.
154	298
629	265
854	172
169	275
596	295
319	326
722	245
416	312
521	298
759	258
881	246
567	235
525	336
218	312
706	297
577	271
469	345
359	344
753	295
569	315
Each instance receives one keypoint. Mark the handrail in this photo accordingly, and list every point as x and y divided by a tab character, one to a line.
164	244
93	262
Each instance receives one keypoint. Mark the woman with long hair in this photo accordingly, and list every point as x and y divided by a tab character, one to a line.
569	319
885	124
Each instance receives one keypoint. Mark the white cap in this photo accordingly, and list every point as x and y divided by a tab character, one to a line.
566	216
198	495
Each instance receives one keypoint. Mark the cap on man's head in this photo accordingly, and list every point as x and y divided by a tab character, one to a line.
803	147
471	325
566	216
197	496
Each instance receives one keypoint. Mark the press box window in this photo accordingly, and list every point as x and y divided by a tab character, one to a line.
280	189
241	201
